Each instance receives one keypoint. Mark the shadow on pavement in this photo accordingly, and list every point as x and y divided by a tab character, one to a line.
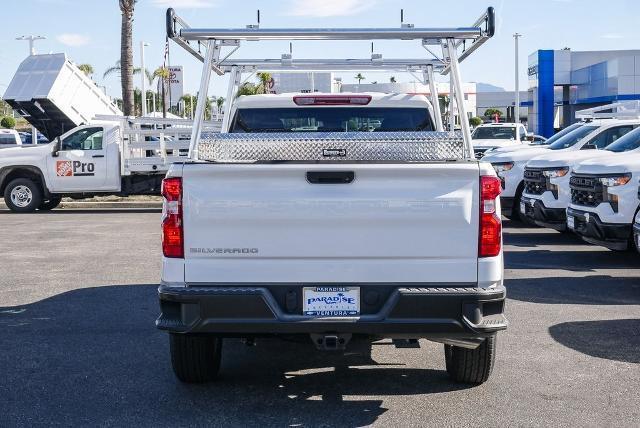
93	356
575	261
589	290
617	340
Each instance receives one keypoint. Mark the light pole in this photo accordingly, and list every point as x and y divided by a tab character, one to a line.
32	51
31	39
516	107
143	75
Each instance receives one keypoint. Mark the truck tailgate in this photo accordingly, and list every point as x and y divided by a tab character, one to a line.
266	223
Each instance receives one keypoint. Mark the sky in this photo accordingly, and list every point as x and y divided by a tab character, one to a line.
88	31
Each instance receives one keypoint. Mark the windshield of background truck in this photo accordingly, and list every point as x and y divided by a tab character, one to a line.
494	133
572	137
555	137
331	119
627	142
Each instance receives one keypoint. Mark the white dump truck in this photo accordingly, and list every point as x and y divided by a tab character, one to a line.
331	216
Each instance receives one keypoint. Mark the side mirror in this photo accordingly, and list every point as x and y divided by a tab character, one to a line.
589	146
56	147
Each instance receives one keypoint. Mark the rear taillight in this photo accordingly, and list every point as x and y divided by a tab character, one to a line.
172	232
331	100
490	237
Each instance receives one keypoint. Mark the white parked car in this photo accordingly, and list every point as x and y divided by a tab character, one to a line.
490	136
9	138
509	164
546	193
604	195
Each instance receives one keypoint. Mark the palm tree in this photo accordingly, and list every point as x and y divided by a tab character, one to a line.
392	79
219	104
87	69
359	77
264	79
163	74
126	54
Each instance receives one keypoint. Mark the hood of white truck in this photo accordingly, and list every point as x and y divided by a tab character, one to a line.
559	158
614	163
26	154
481	143
514	155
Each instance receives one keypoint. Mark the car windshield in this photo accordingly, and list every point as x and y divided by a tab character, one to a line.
555	137
572	137
627	142
494	133
331	119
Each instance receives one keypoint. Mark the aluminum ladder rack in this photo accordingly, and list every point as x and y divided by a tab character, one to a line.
212	41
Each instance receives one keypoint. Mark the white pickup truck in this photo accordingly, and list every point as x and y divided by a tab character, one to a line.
491	136
329	216
546	193
123	156
367	242
604	195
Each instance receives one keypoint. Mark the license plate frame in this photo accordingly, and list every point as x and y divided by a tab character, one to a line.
331	301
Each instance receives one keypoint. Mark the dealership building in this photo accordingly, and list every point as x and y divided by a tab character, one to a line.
563	81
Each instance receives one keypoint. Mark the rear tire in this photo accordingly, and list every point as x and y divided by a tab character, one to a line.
22	195
50	204
195	359
471	365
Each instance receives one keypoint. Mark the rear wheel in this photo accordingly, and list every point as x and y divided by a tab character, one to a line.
195	359
22	195
471	365
50	204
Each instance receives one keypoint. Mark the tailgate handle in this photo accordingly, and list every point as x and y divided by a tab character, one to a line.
330	177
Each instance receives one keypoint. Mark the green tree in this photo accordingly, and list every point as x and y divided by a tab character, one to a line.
475	121
359	77
219	104
264	79
87	69
163	74
490	112
247	88
8	122
126	55
191	101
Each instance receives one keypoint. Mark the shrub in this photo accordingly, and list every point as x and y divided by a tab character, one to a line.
475	121
490	112
8	122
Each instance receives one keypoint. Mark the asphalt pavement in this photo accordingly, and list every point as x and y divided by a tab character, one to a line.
78	345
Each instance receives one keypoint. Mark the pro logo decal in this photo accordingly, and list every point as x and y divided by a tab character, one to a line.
74	169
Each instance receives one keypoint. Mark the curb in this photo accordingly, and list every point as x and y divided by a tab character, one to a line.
104	205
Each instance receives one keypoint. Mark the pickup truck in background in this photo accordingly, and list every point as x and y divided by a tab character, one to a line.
546	194
604	195
509	165
121	156
491	136
306	219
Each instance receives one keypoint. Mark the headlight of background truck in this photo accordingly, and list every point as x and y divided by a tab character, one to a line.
613	181
554	173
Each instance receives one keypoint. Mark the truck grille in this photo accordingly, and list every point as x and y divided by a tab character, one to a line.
535	183
585	190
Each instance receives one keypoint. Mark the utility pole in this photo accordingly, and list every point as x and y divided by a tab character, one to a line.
143	75
32	51
516	107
